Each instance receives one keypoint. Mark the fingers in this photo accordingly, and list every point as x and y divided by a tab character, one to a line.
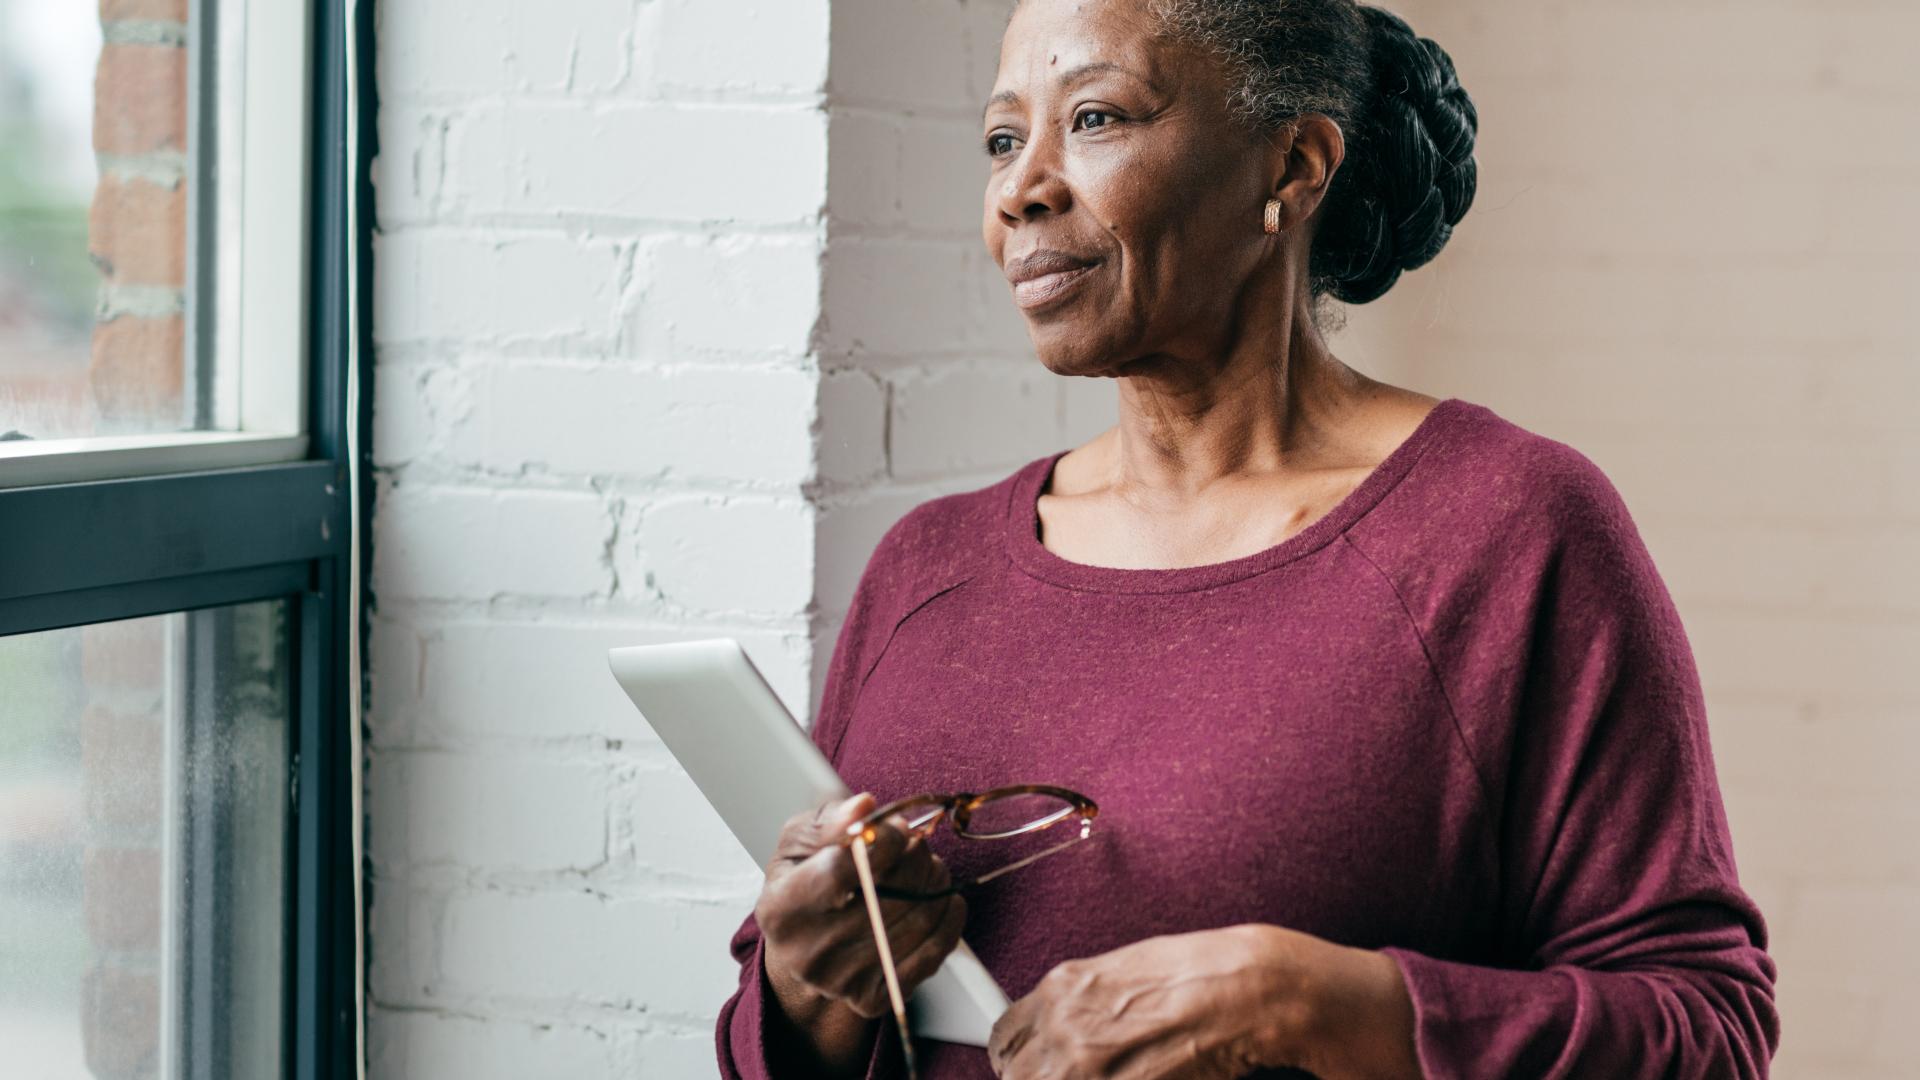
896	859
919	935
1008	1035
924	957
834	879
908	923
812	838
807	831
915	957
817	925
826	883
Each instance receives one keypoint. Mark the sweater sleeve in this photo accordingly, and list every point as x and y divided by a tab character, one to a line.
1635	951
741	1029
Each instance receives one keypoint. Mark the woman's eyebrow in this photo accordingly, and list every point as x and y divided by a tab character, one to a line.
1068	77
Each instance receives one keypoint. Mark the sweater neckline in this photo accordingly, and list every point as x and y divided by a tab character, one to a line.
1027	552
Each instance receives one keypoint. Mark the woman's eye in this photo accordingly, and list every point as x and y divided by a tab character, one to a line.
1086	120
1103	115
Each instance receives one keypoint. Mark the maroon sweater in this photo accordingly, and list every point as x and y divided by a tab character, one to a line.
1456	718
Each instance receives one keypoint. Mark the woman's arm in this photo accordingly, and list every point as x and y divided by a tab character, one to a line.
1360	1021
1632	949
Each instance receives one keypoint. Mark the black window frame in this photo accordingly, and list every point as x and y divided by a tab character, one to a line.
80	553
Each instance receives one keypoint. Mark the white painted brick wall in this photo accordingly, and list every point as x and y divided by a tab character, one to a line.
938	415
729	297
582	948
724	554
600	419
522	286
695	162
459	51
440	1044
502	812
719	424
489	543
758	48
445	672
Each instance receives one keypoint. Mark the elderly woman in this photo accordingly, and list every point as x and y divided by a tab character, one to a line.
1398	746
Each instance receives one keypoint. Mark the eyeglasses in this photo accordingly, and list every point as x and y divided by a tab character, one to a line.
998	814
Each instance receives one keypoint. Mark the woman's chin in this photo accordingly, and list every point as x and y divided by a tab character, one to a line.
1072	364
1065	353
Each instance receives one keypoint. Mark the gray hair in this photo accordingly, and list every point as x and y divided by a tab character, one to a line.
1409	173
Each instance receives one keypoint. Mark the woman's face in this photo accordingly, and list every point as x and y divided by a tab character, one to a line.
1114	150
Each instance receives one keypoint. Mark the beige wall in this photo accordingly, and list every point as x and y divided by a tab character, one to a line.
1693	257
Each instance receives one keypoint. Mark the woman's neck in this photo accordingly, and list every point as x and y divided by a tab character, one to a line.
1265	404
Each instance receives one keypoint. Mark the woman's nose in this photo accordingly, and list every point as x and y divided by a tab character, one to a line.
1033	184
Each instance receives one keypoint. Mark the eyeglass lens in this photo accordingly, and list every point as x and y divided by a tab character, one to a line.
1015	813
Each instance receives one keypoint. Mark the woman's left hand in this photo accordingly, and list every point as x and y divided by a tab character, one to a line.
1212	1005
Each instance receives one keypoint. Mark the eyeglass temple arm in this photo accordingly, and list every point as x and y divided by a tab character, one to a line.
890	893
1086	827
868	890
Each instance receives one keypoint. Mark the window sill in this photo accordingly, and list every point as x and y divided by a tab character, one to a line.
29	462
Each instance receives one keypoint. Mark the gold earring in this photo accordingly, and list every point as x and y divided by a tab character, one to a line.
1273	215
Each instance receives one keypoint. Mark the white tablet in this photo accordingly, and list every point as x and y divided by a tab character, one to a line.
755	764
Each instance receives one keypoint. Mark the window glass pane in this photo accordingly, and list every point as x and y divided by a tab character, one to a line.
95	180
143	795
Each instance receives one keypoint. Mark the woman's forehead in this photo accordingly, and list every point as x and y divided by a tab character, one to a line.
1049	41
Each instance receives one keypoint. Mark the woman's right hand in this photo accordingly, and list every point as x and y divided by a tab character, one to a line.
813	917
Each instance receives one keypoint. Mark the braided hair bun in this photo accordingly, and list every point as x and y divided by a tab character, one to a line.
1408	175
1412	177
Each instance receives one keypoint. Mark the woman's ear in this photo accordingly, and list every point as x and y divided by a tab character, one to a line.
1306	155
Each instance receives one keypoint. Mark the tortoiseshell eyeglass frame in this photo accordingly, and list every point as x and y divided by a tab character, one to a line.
923	814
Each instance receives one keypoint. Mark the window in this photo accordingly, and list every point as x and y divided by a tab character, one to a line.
179	472
153	188
143	808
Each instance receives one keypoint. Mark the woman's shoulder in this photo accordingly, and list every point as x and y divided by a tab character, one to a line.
1498	529
1497	464
1490	488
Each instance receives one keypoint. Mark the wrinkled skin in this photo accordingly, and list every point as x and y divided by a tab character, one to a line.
1137	164
1143	1011
1212	1005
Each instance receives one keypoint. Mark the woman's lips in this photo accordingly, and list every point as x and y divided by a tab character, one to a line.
1037	292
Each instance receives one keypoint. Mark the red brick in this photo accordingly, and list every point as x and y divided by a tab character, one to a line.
138	369
137	232
120	1023
140	99
156	10
121	887
120	765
